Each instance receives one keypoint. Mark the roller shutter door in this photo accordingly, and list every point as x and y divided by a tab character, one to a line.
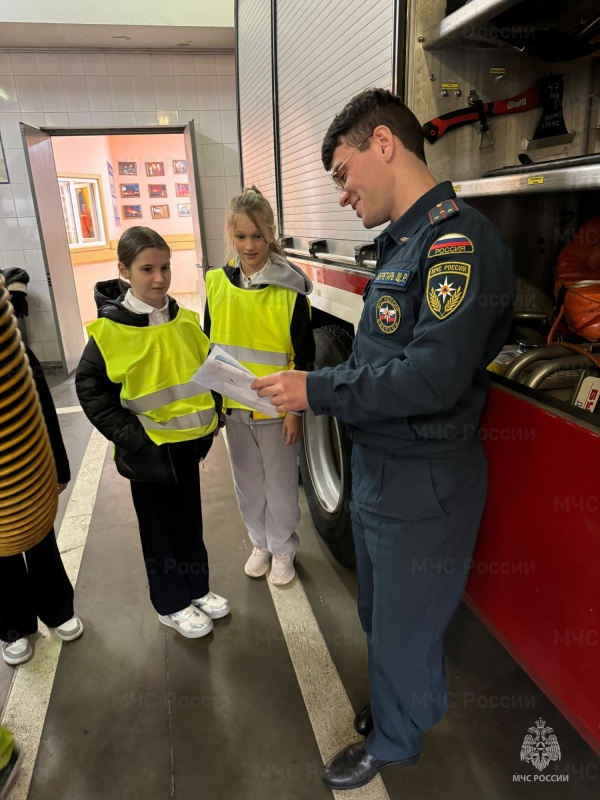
315	80
256	96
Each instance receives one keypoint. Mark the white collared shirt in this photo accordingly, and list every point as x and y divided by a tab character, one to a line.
246	282
156	316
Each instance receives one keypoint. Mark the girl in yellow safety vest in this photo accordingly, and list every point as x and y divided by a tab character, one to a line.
136	385
257	310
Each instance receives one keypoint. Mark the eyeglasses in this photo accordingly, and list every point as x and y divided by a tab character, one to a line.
335	175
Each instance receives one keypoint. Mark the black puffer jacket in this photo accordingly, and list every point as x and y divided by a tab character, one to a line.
136	456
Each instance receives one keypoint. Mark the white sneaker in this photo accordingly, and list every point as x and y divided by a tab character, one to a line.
70	630
17	652
213	605
189	622
282	569
258	563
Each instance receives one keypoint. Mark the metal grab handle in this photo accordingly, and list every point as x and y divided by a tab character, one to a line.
334	257
302	253
330	257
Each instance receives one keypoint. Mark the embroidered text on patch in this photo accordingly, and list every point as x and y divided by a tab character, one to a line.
394	277
388	314
451	244
446	288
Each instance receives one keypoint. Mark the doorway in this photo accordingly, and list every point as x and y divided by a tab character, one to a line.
111	179
111	182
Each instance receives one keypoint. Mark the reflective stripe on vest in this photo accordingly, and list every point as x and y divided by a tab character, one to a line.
265	357
253	325
154	400
154	366
195	420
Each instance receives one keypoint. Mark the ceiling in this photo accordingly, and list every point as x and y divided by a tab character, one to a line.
41	36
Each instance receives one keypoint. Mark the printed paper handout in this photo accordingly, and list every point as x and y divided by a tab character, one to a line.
224	374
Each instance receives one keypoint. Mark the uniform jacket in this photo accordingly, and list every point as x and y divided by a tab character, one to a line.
437	312
136	456
282	273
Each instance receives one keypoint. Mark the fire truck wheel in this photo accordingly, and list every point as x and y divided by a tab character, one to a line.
325	458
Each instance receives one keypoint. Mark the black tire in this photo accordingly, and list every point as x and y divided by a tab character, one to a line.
325	458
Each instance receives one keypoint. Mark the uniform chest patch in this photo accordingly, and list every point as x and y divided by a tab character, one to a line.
393	277
451	244
446	288
388	314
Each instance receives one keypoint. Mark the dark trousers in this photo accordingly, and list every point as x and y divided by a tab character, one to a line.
170	520
415	522
34	584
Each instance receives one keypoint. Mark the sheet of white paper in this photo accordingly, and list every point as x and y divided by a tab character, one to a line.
224	374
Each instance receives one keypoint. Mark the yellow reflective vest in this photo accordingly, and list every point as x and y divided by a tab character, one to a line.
155	366
252	325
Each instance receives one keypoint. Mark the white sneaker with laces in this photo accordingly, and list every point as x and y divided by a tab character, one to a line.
70	630
282	569
258	563
17	652
189	622
213	605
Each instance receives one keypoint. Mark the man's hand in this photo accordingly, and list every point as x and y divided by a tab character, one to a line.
61	487
287	390
290	430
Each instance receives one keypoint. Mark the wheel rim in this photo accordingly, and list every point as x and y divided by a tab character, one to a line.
323	446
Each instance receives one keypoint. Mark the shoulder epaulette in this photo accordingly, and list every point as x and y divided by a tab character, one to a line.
443	211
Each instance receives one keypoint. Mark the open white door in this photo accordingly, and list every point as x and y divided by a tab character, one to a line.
54	243
192	139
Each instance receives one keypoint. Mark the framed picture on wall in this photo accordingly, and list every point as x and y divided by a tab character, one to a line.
184	209
180	167
157	190
160	212
182	189
127	167
130	189
155	169
132	212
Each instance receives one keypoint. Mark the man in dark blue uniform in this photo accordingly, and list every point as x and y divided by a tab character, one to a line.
436	313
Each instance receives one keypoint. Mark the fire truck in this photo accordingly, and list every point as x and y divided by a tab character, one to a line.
508	94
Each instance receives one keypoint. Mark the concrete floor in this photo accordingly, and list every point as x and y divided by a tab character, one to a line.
138	712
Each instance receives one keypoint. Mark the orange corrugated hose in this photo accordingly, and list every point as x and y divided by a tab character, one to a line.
28	482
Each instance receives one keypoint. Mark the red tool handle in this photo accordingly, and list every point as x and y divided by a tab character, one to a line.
436	128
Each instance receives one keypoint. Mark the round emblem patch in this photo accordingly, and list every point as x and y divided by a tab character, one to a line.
388	314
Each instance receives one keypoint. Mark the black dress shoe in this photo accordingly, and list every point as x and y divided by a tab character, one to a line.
353	767
363	721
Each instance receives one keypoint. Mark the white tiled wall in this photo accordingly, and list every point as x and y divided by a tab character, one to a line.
101	89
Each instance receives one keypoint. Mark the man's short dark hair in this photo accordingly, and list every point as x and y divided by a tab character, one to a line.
363	114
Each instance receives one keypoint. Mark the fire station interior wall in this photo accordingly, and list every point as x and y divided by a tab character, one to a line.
134	12
89	156
65	89
315	81
256	97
